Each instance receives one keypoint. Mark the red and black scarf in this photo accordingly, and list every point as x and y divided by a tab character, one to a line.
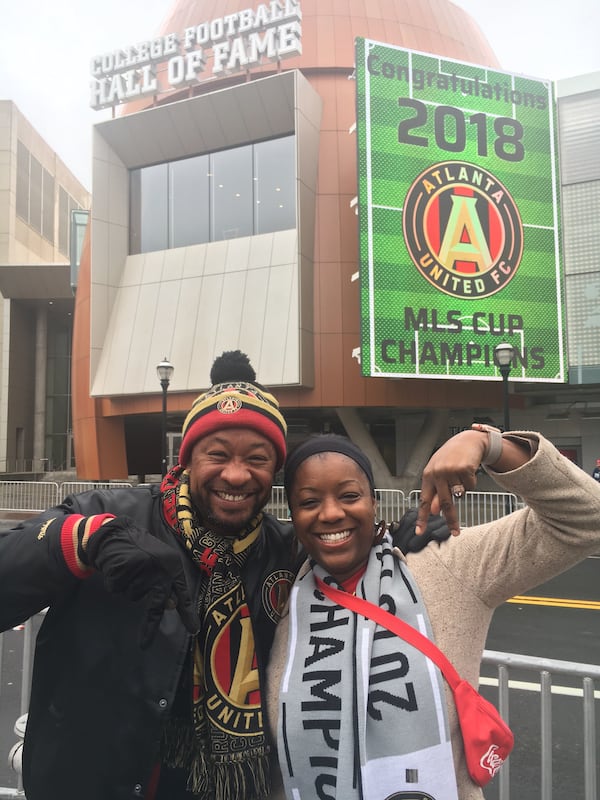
221	743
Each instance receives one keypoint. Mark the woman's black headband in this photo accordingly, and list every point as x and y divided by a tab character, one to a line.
325	443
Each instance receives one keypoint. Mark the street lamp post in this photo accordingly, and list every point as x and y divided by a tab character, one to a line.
164	370
503	355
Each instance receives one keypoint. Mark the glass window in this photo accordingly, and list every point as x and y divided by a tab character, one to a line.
149	203
63	221
188	201
66	206
47	206
35	195
35	201
58	389
232	194
23	181
275	185
135	205
238	192
583	318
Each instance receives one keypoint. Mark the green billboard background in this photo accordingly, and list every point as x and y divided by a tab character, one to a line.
430	129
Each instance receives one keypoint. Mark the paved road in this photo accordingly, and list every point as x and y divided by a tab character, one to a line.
567	632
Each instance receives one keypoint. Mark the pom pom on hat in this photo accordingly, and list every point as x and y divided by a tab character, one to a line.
233	365
234	400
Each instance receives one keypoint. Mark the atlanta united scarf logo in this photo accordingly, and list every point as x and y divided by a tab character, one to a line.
233	700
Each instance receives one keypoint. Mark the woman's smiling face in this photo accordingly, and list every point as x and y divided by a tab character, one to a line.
333	512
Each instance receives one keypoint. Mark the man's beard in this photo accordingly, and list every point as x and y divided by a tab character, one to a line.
222	525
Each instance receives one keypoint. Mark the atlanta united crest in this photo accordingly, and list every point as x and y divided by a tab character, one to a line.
463	229
231	669
275	592
229	405
410	796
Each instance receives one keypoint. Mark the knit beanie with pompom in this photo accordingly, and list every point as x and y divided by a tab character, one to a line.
235	400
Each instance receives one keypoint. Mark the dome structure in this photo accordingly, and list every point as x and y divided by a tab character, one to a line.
329	28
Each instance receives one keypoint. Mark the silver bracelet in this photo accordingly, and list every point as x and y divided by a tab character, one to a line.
493	451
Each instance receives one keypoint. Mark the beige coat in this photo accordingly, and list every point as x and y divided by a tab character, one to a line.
465	578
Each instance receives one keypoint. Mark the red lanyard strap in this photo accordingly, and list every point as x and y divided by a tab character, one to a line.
394	624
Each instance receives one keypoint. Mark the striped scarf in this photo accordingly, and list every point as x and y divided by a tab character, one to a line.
362	713
222	743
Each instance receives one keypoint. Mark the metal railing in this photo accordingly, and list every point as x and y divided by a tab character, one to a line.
277	505
12	757
546	669
474	509
28	495
35	496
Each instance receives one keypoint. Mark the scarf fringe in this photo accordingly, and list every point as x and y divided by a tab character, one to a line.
179	744
250	779
199	780
247	776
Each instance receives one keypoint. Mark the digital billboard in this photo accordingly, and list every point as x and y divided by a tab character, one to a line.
458	218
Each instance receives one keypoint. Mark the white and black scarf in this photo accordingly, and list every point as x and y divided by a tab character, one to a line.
362	714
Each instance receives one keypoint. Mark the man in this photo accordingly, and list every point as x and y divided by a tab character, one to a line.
149	667
122	705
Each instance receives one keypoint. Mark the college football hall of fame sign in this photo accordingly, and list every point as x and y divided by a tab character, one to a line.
458	218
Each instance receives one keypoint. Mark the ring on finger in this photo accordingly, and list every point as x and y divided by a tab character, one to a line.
457	490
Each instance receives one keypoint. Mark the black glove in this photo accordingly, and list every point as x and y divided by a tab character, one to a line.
404	536
136	564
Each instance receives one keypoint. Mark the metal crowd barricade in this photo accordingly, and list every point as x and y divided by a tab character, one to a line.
35	496
27	495
475	508
278	503
11	757
391	504
547	669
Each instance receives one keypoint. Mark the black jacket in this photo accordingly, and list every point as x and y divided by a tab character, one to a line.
99	702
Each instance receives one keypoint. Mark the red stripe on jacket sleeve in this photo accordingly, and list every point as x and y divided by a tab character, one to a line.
74	533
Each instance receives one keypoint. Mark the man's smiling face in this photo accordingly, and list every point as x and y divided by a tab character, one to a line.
231	474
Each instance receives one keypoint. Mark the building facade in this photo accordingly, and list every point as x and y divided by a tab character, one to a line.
223	217
38	195
569	413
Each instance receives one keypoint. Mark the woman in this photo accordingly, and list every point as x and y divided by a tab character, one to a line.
358	712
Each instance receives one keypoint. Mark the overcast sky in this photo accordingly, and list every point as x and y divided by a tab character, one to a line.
46	47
